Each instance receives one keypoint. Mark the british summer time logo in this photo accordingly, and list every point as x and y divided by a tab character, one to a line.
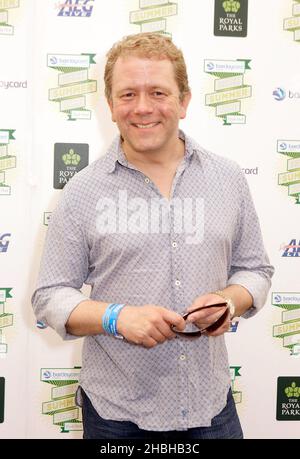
73	84
6	319
229	89
291	178
231	18
5	7
288	398
7	160
75	8
153	15
235	373
62	406
289	328
292	24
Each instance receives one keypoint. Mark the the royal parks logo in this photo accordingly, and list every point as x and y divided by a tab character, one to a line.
76	8
5	12
292	24
4	242
6	319
289	328
69	158
229	88
231	18
153	15
234	374
288	398
291	178
292	249
7	159
74	84
2	398
62	405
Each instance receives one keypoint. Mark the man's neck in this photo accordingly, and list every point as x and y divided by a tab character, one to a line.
160	159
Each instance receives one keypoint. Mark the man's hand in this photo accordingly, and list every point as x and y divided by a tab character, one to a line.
148	325
209	316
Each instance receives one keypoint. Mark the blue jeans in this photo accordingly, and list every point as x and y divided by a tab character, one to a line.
225	425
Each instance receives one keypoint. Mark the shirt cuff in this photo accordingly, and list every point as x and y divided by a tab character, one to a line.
258	287
59	304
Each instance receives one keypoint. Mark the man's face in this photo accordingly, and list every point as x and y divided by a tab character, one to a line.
145	104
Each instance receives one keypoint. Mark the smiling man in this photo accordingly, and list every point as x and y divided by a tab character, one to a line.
155	363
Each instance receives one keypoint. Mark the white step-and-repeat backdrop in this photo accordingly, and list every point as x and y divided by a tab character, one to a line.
243	64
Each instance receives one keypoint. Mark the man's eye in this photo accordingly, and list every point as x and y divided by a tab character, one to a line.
128	95
158	93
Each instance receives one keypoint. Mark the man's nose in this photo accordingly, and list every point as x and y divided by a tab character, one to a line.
143	104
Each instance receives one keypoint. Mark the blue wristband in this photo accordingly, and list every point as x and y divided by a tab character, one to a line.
109	319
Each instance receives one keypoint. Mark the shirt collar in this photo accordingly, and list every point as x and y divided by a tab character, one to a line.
116	154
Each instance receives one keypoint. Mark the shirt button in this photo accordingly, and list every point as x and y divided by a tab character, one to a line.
174	244
177	283
147	180
182	357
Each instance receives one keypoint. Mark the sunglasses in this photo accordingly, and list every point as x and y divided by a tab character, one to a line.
192	331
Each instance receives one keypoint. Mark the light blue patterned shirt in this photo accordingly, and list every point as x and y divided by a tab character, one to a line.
102	233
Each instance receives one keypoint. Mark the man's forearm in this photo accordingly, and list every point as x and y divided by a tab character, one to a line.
86	318
241	298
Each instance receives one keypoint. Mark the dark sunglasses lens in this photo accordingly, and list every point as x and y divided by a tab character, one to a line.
190	330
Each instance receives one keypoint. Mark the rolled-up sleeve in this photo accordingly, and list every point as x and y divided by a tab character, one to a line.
250	265
63	270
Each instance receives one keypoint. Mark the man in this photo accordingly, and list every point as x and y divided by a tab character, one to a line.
158	227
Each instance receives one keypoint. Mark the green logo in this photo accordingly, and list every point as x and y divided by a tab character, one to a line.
290	179
229	89
5	13
292	24
153	14
71	158
231	6
7	160
62	405
6	318
74	83
289	328
234	373
292	391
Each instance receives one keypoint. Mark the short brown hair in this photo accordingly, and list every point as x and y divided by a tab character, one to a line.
152	46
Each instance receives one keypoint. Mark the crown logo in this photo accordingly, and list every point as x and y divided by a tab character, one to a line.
71	158
292	391
231	6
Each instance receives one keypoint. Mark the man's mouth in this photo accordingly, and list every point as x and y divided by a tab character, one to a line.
145	126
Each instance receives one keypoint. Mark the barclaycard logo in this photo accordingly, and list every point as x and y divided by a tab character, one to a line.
210	66
283	146
47	374
4	242
53	60
279	94
277	298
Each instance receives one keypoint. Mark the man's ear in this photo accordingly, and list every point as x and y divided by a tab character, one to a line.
184	104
